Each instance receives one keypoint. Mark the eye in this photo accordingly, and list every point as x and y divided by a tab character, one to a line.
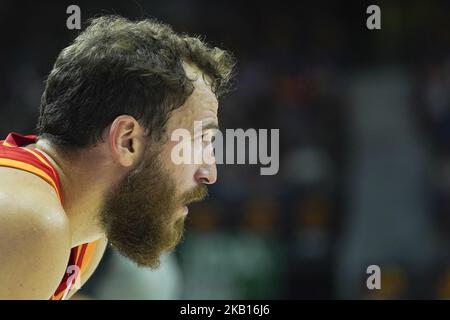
208	136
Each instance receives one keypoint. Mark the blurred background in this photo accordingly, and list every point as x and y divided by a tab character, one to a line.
364	119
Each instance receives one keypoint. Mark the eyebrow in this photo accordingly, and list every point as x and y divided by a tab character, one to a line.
210	125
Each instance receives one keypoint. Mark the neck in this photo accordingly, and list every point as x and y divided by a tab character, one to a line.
84	180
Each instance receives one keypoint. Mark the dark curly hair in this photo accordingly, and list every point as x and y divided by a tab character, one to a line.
117	66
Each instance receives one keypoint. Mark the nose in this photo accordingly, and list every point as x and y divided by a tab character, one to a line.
206	174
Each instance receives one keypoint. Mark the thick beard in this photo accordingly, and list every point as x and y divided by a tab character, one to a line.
138	216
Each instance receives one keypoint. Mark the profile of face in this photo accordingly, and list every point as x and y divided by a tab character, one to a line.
143	216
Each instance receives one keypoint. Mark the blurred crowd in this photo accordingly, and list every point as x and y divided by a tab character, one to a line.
364	119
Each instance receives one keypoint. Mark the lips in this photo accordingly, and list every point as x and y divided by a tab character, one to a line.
185	204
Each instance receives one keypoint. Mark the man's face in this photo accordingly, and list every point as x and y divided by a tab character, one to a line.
144	215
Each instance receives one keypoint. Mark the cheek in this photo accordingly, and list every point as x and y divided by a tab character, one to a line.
183	174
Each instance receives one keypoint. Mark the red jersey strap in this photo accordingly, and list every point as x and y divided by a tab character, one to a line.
14	155
80	259
30	160
16	140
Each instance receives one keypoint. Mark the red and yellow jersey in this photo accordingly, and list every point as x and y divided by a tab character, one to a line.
13	155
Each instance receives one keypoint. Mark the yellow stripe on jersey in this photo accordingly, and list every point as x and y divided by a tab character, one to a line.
90	250
30	168
44	162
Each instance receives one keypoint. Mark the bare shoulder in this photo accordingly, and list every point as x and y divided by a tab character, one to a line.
35	236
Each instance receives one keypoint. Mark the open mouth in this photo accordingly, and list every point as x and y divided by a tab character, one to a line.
194	200
193	197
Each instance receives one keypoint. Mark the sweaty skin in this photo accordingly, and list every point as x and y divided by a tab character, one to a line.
37	232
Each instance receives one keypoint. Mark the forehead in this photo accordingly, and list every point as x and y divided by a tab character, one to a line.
202	104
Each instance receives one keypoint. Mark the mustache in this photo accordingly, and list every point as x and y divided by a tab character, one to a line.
195	195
